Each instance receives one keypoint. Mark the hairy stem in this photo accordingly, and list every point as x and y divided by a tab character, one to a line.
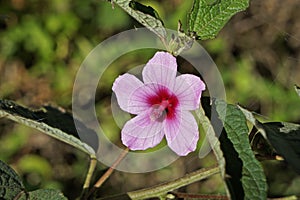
199	196
93	163
214	143
162	189
87	182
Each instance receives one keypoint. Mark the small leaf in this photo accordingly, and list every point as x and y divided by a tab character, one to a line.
11	185
253	178
146	15
297	88
261	146
285	138
51	121
43	194
181	41
208	17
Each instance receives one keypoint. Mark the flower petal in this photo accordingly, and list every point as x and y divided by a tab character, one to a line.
161	69
172	125
188	89
186	136
141	132
139	99
123	87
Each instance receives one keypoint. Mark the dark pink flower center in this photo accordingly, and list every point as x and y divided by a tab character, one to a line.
163	105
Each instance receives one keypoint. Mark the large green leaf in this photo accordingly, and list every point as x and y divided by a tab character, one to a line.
234	164
51	121
208	17
11	185
43	194
253	178
146	15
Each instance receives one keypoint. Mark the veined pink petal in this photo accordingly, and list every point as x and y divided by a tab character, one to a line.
123	87
161	69
141	132
188	89
172	125
139	99
187	135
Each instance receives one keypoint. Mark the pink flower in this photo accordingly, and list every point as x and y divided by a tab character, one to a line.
162	104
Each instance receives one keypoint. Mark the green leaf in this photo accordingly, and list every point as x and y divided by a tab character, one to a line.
43	194
297	88
50	121
146	15
11	185
208	17
234	164
253	178
285	138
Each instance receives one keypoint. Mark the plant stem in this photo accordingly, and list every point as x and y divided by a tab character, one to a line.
162	189
86	185
199	196
107	174
111	169
93	163
214	143
163	40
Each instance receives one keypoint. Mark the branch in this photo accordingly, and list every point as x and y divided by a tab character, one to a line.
162	189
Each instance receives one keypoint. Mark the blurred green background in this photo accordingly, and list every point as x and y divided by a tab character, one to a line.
42	44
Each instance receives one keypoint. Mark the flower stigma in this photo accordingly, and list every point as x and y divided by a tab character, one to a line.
163	105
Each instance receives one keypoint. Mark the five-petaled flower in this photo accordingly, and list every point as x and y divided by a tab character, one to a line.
162	103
